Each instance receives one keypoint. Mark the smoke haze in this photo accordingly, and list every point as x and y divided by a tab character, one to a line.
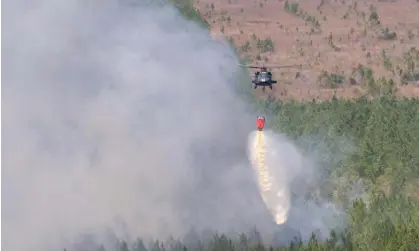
119	117
122	117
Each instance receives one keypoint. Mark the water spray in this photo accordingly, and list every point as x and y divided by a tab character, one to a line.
273	189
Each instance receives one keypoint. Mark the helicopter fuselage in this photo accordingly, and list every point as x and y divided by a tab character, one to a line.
263	79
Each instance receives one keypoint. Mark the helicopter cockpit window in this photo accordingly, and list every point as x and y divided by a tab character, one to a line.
263	75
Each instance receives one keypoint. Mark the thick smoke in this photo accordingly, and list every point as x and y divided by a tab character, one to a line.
119	117
123	117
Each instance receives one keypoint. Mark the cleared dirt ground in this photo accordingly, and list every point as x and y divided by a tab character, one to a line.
337	42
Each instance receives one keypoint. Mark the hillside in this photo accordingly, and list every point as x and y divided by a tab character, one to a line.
125	129
347	48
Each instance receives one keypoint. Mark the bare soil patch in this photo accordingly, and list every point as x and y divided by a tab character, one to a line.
347	48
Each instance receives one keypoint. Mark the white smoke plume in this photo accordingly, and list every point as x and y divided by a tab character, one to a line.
118	116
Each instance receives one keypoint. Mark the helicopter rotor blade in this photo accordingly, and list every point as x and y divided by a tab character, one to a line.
273	66
288	66
250	66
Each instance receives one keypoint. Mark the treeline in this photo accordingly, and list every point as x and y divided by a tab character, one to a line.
188	10
384	155
385	134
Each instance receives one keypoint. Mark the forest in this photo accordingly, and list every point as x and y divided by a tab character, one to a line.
384	132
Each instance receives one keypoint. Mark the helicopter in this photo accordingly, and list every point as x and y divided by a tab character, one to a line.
263	77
